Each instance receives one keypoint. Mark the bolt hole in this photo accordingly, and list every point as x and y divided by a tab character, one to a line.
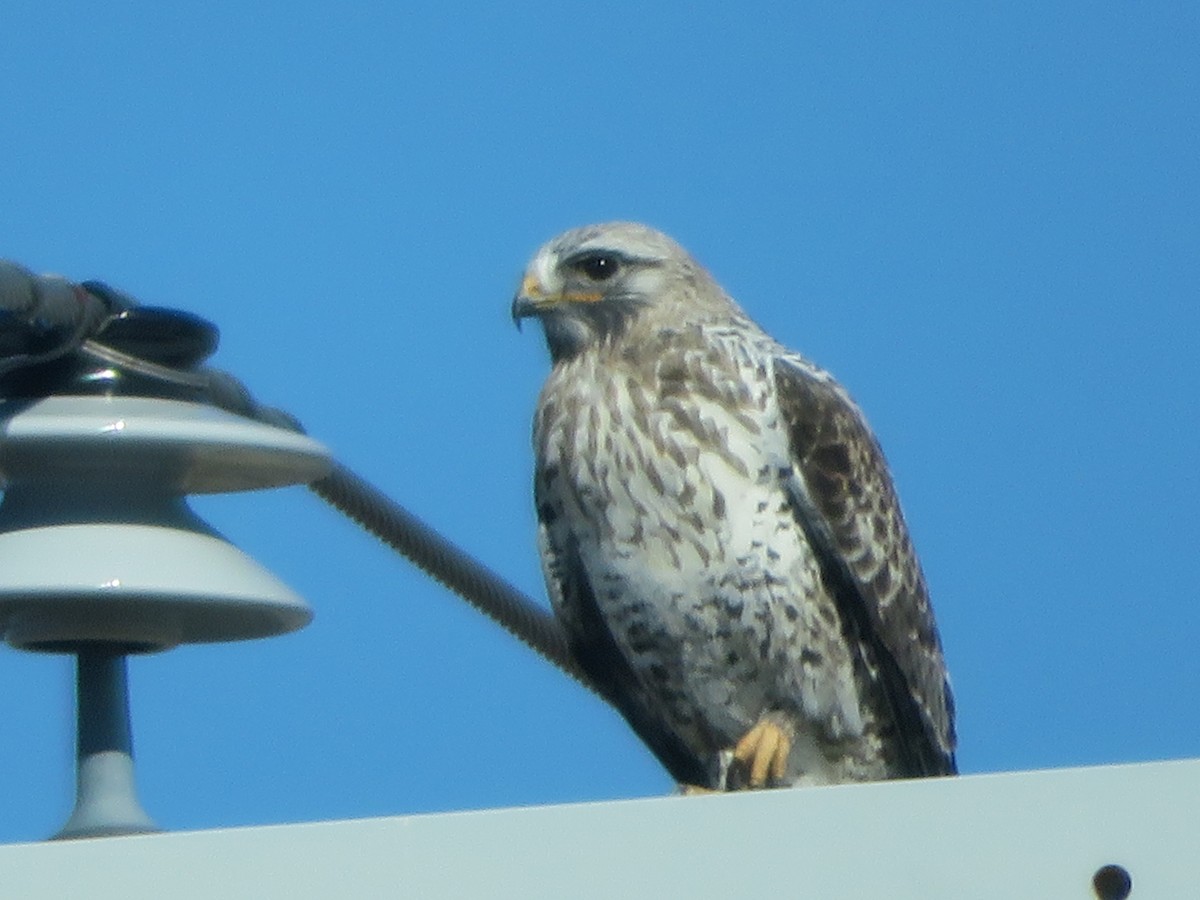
1112	882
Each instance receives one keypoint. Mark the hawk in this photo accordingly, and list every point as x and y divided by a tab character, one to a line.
719	533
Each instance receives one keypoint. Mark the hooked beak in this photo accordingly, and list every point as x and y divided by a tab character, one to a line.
529	301
534	300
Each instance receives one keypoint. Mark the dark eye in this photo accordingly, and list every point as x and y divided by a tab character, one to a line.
597	266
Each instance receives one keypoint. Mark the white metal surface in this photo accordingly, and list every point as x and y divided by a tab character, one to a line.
1022	835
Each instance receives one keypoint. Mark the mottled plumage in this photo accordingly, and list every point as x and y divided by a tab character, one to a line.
720	536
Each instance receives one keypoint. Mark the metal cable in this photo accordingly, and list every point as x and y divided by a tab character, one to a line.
440	559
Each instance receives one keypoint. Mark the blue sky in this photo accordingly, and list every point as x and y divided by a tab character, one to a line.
983	218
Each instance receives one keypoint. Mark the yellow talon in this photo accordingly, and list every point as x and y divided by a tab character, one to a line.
763	751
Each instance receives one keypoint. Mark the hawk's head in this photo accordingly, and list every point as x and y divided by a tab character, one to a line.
591	283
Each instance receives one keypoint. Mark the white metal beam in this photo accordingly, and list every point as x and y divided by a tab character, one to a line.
1029	835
